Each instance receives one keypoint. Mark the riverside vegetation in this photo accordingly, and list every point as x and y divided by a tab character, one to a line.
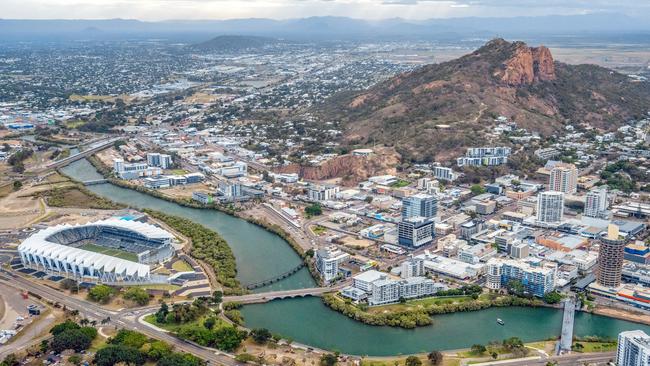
404	317
207	246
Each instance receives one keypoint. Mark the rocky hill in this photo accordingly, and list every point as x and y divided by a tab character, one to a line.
435	111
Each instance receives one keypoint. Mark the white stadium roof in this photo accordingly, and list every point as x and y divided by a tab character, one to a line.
37	244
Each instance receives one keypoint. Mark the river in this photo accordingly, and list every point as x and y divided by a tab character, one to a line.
261	255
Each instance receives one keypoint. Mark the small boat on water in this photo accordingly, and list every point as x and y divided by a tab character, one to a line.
500	322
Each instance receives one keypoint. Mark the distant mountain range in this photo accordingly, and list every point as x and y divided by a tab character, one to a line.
436	111
330	28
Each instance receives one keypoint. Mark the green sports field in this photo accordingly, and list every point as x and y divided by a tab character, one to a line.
117	253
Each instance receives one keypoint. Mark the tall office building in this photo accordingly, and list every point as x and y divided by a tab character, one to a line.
415	231
596	203
564	178
550	207
610	258
633	349
422	205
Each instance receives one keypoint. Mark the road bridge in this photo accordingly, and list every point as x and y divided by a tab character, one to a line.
274	295
91	149
94	182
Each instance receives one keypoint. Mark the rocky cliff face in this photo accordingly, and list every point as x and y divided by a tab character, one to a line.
351	169
527	66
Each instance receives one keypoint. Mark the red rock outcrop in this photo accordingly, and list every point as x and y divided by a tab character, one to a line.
528	65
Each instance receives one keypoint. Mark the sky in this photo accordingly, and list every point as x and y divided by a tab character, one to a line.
155	10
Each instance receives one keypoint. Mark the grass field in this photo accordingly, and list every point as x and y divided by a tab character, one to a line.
182	266
117	253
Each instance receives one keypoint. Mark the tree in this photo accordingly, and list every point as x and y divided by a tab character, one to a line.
70	339
309	253
17	185
314	210
209	323
228	338
137	295
159	350
435	357
553	297
180	359
129	338
217	297
260	335
114	354
413	361
328	359
101	294
478	349
161	314
62	327
10	360
477	189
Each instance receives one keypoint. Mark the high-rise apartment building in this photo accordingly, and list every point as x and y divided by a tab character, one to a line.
564	178
633	349
550	207
610	258
537	279
327	262
596	203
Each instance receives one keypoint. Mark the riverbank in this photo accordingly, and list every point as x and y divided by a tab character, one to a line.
419	312
636	317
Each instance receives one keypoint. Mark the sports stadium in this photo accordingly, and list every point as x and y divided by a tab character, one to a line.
109	251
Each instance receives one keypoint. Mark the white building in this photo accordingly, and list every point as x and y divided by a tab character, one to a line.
596	203
364	280
412	267
319	193
537	279
550	207
327	262
443	173
387	291
564	178
633	349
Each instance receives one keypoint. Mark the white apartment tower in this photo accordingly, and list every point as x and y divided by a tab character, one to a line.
550	207
633	349
596	203
564	178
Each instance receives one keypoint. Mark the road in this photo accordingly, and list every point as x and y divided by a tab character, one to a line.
92	149
120	319
601	358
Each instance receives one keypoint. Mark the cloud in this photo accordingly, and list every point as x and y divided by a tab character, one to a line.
283	9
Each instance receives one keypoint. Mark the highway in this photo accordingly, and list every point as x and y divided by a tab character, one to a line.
121	319
92	149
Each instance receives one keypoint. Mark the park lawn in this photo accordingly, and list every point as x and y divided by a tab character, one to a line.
400	184
74	124
151	319
158	286
182	266
177	171
117	253
595	347
318	230
419	303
